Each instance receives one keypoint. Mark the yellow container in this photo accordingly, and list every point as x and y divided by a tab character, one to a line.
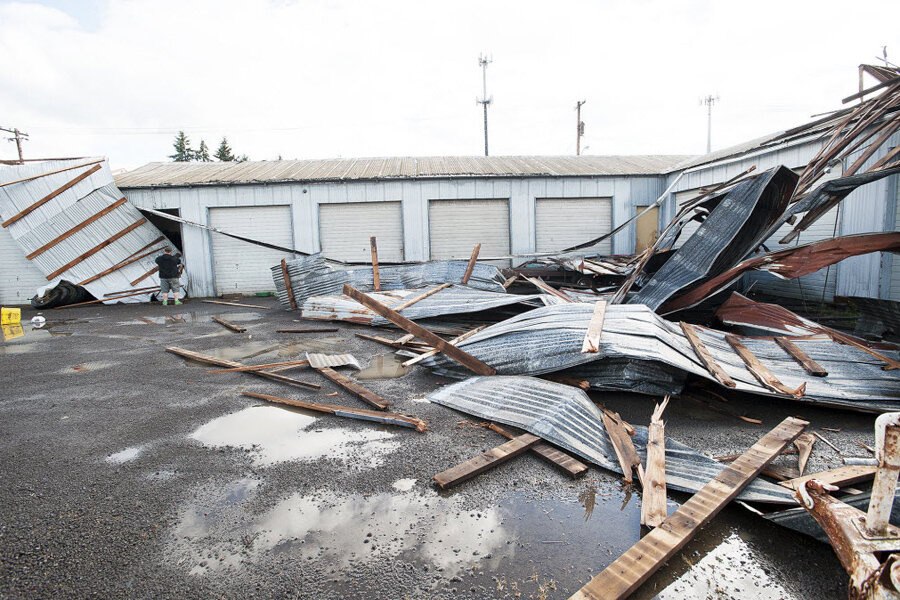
10	316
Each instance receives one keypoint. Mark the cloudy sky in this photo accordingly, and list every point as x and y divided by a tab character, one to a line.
317	79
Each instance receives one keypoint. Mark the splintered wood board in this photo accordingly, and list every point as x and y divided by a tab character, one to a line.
489	459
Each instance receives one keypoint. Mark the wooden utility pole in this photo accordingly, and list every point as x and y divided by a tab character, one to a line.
579	127
18	136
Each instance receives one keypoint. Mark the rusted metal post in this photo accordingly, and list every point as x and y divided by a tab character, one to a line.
887	452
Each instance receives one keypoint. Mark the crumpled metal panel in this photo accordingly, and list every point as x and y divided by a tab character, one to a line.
549	339
565	416
319	361
734	228
448	301
314	276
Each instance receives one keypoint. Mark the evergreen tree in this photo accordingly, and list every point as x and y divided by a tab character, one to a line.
203	153
242	158
183	151
224	152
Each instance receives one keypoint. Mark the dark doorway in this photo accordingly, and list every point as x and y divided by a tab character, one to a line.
171	229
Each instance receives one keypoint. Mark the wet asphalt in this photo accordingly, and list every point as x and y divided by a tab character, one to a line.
129	472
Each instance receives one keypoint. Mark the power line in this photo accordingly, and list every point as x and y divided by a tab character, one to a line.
483	62
18	137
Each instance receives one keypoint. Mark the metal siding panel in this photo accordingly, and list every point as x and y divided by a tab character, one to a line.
19	278
564	222
344	230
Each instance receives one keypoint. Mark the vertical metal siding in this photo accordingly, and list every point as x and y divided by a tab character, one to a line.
19	279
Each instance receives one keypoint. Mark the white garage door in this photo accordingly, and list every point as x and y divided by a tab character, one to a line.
564	222
345	229
455	226
240	267
19	279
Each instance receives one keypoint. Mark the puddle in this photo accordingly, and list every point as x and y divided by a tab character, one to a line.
340	529
181	318
273	434
383	366
24	337
271	350
126	455
404	485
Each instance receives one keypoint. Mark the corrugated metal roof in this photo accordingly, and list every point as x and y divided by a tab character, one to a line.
196	173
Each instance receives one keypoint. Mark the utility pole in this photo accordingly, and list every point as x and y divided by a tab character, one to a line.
18	137
483	62
709	101
579	127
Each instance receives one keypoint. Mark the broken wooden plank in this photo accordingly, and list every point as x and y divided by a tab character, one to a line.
144	276
287	283
595	329
229	325
827	443
546	288
352	413
760	371
29	209
653	502
141	293
118	266
237	304
453	342
139	250
422	296
572	466
39	175
392	343
309	330
841	476
489	459
230	364
705	357
292	363
463	358
811	366
621	441
639	562
376	277
76	228
890	363
96	249
366	395
471	266
510	281
804	443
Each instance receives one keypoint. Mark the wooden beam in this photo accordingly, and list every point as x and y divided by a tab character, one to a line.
653	501
489	459
546	288
76	228
237	304
463	358
376	276
28	210
145	276
471	266
621	442
705	357
841	476
39	175
151	287
804	443
308	330
293	363
572	466
118	266
890	363
422	296
452	342
229	325
344	411
153	243
230	364
510	281
760	371
595	329
145	291
287	283
354	388
633	568
96	249
811	366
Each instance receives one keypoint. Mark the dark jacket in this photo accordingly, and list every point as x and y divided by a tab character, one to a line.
168	266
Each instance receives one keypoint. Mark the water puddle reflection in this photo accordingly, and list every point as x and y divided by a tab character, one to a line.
22	338
383	366
272	434
126	455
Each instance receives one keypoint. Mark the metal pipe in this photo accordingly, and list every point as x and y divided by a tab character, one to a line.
887	452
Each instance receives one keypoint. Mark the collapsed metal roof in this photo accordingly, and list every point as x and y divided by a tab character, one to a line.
280	171
565	416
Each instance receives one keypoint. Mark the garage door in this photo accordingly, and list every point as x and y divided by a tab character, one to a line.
565	222
345	229
19	279
240	267
455	226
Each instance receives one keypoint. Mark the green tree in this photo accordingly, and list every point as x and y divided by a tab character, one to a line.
183	151
202	153
224	152
242	158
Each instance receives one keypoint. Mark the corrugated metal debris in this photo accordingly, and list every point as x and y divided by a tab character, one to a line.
320	361
74	224
565	416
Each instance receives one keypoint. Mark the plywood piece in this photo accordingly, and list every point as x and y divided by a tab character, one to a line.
572	466
841	476
760	371
639	562
352	413
653	501
489	459
705	357
646	228
595	329
365	394
811	366
463	358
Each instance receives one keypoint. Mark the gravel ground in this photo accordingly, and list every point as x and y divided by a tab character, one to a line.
129	472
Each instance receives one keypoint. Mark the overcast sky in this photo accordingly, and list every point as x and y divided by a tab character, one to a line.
317	79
